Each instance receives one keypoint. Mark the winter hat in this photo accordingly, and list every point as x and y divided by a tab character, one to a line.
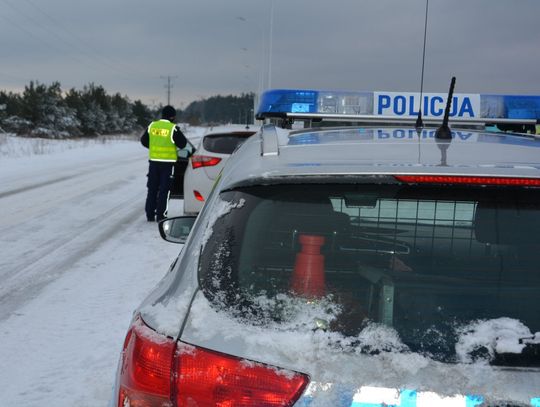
168	112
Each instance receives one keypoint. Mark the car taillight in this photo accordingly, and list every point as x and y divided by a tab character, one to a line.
198	196
156	372
145	373
444	179
208	378
198	161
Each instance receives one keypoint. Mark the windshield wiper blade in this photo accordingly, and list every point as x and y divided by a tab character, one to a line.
533	340
529	356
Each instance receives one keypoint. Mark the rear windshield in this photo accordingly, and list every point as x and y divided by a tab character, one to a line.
436	264
224	143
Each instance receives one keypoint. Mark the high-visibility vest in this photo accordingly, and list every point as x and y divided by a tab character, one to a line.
161	144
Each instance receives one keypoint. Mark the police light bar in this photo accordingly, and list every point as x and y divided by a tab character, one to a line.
397	107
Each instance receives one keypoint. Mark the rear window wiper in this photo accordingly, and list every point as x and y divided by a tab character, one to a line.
529	356
527	340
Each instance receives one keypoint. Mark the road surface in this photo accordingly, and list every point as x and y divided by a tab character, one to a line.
77	256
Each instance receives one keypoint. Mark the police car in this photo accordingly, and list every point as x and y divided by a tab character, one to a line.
365	265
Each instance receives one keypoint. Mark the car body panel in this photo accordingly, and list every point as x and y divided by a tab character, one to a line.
195	180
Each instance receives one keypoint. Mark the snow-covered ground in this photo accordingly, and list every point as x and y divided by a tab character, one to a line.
77	256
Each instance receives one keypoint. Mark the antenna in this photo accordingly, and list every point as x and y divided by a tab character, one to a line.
419	121
443	132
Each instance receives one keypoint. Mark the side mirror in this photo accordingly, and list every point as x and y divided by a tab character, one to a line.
176	230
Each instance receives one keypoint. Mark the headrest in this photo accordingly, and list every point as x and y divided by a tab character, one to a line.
502	223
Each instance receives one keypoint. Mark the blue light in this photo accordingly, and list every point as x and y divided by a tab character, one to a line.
473	401
300	107
407	398
510	106
281	101
288	101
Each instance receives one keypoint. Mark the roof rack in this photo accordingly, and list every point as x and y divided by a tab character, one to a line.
397	107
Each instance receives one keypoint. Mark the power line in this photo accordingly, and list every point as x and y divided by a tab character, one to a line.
61	38
25	28
37	38
83	42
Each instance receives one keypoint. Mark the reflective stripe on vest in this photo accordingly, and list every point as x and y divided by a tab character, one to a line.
162	147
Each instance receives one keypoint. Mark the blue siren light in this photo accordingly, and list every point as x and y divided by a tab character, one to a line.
510	106
282	102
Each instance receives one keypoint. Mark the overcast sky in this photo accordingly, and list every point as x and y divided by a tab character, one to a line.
211	47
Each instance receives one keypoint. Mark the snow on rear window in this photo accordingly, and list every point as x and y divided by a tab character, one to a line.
501	335
220	208
306	324
374	357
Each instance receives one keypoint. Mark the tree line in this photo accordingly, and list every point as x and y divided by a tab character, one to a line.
220	109
46	111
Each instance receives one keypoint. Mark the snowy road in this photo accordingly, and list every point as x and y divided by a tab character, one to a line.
77	256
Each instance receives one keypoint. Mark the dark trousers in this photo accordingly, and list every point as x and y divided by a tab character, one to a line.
159	183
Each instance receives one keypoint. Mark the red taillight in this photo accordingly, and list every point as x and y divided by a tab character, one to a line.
145	375
443	179
198	161
155	372
207	378
198	196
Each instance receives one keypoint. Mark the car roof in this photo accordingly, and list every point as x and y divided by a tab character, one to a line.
278	154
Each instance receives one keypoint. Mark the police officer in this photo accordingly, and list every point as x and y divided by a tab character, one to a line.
162	138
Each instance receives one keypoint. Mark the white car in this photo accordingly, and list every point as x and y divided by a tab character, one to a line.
204	167
360	266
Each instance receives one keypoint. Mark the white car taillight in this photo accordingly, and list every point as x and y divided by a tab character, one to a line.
198	161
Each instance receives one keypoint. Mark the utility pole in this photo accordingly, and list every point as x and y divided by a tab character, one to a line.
270	45
169	86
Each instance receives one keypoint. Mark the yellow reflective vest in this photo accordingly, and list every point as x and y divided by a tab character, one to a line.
161	145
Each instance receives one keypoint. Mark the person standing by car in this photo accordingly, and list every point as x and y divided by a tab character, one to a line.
162	138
